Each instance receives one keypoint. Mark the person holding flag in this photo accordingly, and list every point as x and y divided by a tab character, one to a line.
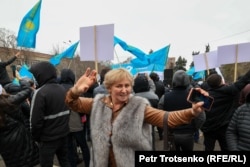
4	76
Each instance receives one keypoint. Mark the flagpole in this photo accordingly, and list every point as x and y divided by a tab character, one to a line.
117	58
206	61
68	43
236	62
69	63
95	50
75	69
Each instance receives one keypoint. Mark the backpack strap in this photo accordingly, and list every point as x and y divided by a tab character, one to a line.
168	138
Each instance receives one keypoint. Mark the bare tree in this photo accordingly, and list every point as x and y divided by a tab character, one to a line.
7	38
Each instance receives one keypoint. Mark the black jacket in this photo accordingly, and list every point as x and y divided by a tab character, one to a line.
225	103
4	77
49	114
238	132
177	100
16	145
159	88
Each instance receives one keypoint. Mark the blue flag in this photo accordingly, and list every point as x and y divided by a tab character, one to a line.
127	66
191	71
69	53
199	75
158	68
147	69
133	50
29	27
120	42
25	73
15	81
137	63
195	75
137	52
160	56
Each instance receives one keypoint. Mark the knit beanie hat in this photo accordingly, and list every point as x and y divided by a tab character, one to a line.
180	79
141	84
214	80
12	88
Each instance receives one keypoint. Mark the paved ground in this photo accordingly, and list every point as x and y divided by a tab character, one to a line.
158	145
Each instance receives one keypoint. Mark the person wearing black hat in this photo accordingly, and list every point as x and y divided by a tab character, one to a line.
225	103
49	115
77	136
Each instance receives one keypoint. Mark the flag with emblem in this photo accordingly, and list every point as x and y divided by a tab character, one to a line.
29	27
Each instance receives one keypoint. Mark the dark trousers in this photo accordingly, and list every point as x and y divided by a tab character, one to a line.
57	147
86	127
197	135
78	138
184	142
160	132
211	137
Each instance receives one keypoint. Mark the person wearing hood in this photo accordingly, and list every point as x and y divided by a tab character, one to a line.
76	134
237	134
176	100
49	115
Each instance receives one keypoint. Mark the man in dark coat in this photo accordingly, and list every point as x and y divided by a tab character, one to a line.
159	91
225	103
77	135
176	100
49	115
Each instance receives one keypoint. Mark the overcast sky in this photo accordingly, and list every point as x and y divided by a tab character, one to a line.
187	25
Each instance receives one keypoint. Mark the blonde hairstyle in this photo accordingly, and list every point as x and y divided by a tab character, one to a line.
116	75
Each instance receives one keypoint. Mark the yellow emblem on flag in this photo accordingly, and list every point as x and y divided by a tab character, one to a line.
29	25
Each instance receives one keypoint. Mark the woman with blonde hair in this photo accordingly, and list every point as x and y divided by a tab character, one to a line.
120	121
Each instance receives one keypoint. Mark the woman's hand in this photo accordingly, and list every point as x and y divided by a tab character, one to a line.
86	81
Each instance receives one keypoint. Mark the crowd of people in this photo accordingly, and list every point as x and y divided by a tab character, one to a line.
117	114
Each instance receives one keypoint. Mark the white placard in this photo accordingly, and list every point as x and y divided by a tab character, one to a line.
206	61
97	43
230	54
